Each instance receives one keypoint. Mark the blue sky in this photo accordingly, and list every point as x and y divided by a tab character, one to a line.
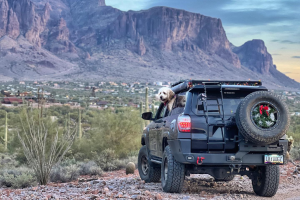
277	22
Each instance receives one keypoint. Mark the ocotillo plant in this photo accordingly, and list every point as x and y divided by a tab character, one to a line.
79	124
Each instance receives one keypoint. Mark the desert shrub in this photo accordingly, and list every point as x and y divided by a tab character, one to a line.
69	170
122	163
106	160
8	161
89	168
17	178
66	171
295	153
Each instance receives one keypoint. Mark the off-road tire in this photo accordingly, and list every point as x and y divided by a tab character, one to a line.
153	174
226	179
269	181
250	131
175	174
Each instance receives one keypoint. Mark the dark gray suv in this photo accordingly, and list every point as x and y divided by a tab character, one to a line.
225	128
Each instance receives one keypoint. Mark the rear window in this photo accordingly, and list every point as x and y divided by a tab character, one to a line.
213	105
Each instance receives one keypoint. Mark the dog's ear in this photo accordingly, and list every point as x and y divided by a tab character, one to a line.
171	94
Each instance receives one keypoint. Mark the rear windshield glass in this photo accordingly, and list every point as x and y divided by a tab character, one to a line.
214	105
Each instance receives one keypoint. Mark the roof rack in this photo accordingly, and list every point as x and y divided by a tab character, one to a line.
218	82
186	84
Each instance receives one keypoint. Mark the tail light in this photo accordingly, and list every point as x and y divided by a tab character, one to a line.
184	123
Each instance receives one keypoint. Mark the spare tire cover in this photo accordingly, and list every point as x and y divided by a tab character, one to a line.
262	117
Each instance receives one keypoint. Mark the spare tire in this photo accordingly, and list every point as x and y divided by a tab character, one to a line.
262	117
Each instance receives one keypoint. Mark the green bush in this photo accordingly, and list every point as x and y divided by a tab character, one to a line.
7	161
116	130
15	103
17	178
106	160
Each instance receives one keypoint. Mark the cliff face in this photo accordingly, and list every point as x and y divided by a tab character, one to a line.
19	17
254	55
172	29
80	39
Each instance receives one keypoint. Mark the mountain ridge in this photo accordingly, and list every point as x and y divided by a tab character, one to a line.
80	39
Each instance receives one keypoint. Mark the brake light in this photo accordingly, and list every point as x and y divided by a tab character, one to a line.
184	123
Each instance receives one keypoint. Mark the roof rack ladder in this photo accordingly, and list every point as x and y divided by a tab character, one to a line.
223	117
206	116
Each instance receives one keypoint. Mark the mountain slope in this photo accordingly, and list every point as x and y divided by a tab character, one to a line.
81	39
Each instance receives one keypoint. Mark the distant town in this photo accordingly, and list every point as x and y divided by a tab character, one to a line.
75	94
97	95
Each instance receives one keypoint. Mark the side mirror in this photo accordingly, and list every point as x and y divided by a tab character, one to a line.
147	116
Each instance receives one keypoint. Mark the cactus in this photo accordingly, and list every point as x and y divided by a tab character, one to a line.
69	121
146	99
141	108
79	124
130	167
146	104
5	137
141	112
152	107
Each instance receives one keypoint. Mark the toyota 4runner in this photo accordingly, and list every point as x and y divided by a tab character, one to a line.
225	128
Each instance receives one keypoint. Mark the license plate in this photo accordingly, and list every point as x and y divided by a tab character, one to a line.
273	159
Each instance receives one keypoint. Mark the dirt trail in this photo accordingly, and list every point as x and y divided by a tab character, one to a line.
118	185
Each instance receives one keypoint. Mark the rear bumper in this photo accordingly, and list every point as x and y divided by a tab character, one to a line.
181	149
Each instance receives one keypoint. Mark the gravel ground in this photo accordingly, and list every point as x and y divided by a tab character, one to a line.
118	185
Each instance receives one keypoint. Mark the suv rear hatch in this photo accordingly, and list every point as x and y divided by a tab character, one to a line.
213	116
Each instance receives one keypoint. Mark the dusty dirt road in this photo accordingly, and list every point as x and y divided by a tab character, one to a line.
118	185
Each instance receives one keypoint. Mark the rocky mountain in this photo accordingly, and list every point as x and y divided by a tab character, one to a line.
80	39
254	55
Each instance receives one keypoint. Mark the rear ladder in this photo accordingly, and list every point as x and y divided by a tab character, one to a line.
222	125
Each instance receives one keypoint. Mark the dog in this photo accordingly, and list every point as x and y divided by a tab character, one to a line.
166	96
181	100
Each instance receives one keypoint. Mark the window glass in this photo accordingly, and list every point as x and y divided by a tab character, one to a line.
230	105
162	112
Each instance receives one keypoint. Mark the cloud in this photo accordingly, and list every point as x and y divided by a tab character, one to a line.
286	41
296	57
